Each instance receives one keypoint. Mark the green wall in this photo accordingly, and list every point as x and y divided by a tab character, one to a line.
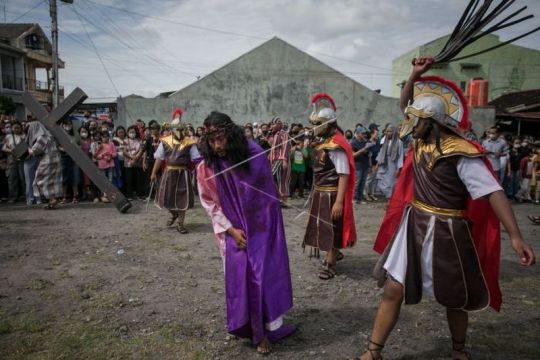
508	69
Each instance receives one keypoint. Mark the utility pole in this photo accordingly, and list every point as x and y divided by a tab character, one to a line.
54	36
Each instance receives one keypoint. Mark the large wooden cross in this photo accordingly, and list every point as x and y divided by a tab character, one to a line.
51	121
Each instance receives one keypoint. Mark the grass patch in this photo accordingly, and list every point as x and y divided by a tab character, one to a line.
22	323
40	284
111	300
78	340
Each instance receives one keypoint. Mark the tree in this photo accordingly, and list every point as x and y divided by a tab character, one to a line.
7	106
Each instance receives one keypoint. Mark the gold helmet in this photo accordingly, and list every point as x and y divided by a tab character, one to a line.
440	100
324	113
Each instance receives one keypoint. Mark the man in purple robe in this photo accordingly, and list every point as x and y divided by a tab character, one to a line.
236	189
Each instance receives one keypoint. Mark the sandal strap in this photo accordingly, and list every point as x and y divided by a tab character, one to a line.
381	346
326	273
375	353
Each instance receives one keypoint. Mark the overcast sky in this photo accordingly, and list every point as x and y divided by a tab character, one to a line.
151	46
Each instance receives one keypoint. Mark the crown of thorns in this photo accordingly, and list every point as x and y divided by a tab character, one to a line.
217	129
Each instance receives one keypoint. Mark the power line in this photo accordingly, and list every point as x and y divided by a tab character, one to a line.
128	46
231	33
134	41
28	11
225	32
112	22
97	52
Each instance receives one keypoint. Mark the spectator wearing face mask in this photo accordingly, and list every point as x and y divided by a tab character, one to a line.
48	178
150	144
119	141
105	154
93	129
133	158
71	173
4	189
526	171
262	137
495	147
88	145
30	165
513	172
15	167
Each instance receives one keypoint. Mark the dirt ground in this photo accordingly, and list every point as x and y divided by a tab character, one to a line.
87	282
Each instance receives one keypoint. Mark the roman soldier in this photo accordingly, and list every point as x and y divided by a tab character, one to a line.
440	236
331	220
175	192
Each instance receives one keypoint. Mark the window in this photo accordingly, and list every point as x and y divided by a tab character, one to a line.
33	41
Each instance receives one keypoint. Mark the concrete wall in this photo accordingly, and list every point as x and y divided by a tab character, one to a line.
274	79
132	108
508	69
482	118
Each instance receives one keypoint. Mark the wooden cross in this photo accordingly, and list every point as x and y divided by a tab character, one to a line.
51	121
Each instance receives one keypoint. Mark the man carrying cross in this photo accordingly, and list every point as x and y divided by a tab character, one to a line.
237	191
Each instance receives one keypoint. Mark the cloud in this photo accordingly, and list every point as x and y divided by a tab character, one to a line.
148	55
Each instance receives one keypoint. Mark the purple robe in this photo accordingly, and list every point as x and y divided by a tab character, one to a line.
257	280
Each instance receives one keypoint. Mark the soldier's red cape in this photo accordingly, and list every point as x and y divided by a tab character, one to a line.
349	229
485	226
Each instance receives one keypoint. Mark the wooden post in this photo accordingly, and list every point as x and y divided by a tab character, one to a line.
51	121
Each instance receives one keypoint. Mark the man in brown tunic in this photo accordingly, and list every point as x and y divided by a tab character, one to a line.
331	220
175	192
433	250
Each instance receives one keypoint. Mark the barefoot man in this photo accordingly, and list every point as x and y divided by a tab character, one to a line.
237	191
440	235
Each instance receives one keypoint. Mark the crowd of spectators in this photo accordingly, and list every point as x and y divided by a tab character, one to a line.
125	157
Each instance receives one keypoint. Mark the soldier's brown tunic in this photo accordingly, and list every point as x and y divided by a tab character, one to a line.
175	189
322	232
458	281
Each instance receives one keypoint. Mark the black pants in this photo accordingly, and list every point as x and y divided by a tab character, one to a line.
308	178
134	181
3	184
15	172
297	182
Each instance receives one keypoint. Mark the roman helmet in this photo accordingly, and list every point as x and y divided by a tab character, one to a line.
323	114
177	117
176	125
438	99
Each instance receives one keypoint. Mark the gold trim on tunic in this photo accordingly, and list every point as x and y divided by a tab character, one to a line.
328	144
450	146
326	188
174	167
172	142
437	210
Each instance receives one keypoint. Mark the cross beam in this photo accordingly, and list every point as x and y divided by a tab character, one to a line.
51	121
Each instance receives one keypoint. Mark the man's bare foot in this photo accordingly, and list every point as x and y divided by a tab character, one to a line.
264	347
459	355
